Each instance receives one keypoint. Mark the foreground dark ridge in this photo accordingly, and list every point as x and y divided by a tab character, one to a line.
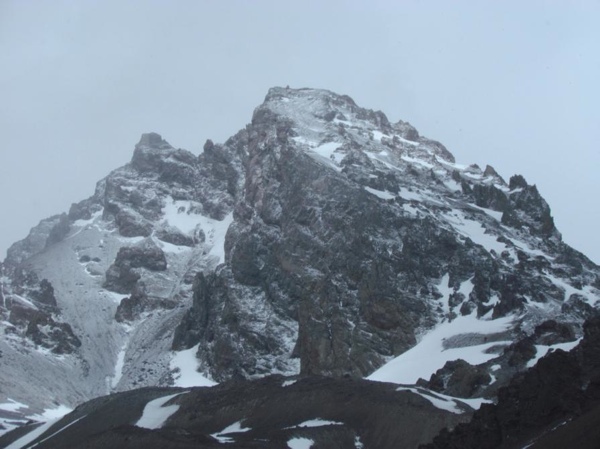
332	413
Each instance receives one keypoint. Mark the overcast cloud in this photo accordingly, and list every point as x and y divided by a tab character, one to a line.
512	84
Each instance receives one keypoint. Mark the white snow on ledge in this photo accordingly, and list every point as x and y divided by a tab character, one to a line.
185	365
385	195
316	423
300	443
51	416
445	402
182	215
233	428
429	354
542	350
155	414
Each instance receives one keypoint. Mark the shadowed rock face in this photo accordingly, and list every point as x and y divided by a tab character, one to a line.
123	274
339	243
563	389
333	413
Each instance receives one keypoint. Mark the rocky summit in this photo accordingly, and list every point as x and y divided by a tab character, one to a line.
327	268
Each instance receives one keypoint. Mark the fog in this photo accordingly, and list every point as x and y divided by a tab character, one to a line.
511	84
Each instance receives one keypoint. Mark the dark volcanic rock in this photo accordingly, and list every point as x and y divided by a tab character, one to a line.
43	330
352	413
562	387
123	274
131	308
459	378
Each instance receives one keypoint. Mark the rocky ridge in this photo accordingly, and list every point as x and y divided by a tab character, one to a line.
322	239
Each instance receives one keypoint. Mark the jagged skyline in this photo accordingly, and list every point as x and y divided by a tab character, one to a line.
83	81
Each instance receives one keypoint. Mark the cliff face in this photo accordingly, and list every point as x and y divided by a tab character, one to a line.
554	404
322	239
350	238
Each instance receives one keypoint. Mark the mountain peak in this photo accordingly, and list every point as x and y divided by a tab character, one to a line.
153	140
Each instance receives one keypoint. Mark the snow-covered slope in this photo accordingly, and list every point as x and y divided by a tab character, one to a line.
320	239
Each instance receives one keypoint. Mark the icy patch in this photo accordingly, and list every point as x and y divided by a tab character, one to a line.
492	213
377	135
24	301
51	416
316	423
12	406
414	160
527	249
131	240
445	291
181	215
233	428
28	438
408	142
385	195
411	196
437	402
300	443
185	365
119	367
587	292
82	223
429	354
542	350
287	383
59	431
155	415
53	413
112	296
474	230
445	402
216	236
452	185
170	248
327	151
410	209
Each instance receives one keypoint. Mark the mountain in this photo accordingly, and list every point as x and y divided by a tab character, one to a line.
320	240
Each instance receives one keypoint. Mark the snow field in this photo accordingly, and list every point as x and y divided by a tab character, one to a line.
155	413
429	354
300	443
181	215
51	416
185	364
233	428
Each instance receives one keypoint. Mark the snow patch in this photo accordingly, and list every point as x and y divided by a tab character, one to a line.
119	367
474	230
385	195
441	403
185	365
12	406
233	428
429	354
182	215
316	423
155	414
587	292
300	443
542	350
51	416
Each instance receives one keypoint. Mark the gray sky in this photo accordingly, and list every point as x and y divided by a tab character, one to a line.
512	84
